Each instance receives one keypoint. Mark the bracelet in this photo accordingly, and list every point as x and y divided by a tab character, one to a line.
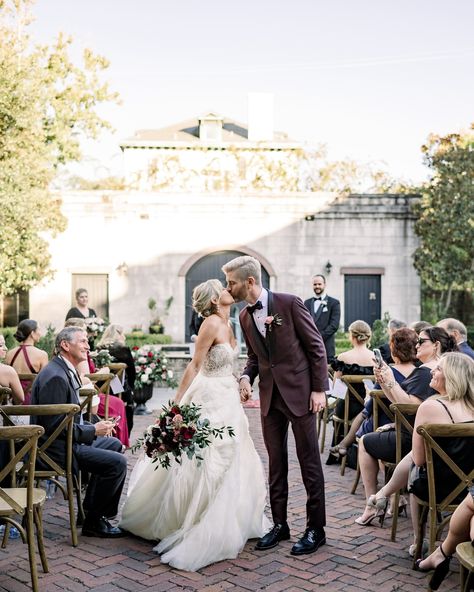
390	385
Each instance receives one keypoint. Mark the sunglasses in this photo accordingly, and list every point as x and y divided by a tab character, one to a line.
421	340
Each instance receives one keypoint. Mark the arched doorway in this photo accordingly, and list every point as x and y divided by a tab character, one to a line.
208	267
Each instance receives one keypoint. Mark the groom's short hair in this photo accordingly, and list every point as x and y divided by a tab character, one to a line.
245	267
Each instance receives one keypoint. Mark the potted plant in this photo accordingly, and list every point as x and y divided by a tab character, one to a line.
156	320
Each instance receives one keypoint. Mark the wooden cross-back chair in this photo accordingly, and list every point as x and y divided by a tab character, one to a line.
435	438
324	417
379	404
102	381
46	467
345	422
401	412
22	507
5	395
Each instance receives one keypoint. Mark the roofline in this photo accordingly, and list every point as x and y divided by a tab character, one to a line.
249	145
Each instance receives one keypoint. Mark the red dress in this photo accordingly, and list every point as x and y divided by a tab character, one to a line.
25	384
116	408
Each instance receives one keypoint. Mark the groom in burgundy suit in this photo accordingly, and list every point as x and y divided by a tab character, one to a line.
287	352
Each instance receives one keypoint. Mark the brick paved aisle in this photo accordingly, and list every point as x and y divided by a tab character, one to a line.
356	558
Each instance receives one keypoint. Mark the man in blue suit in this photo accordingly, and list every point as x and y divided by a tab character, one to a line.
458	331
326	314
94	448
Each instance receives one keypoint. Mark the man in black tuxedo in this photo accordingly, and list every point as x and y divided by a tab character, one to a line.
326	313
94	448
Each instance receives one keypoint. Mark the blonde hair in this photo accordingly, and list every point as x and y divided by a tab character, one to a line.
203	294
111	335
245	267
361	331
458	370
76	322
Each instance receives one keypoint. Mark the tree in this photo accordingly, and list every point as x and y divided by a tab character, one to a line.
46	104
445	225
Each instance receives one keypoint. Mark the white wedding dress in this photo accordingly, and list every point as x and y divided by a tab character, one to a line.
203	514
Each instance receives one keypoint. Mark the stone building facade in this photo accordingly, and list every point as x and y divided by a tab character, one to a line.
202	192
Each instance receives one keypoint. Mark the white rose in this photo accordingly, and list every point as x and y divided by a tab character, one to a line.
142	360
148	370
144	378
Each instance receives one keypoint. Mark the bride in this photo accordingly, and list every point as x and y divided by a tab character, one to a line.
204	514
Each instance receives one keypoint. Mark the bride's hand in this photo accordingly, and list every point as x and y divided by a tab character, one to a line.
245	390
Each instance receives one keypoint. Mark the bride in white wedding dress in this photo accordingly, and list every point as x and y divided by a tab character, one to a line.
203	514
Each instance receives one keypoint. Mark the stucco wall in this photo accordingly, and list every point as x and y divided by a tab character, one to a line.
156	234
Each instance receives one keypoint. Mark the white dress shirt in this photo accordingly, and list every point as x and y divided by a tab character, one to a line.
317	303
259	316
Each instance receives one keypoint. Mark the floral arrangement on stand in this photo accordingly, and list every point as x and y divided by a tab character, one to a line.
151	366
179	430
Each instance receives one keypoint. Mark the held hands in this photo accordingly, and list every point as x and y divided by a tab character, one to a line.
317	402
104	428
245	390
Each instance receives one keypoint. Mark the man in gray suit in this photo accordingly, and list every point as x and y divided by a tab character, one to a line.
326	314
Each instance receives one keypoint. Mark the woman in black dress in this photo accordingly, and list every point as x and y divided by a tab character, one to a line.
82	310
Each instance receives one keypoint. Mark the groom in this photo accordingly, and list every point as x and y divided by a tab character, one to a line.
287	352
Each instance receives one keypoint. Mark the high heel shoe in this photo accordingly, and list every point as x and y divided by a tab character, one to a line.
368	521
440	571
380	507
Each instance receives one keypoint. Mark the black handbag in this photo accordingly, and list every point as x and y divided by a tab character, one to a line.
418	481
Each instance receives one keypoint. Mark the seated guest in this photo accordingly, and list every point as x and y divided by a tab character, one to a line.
116	405
458	331
26	358
403	350
82	310
461	529
453	379
359	361
8	376
432	342
113	340
393	326
94	450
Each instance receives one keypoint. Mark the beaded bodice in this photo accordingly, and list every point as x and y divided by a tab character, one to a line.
219	360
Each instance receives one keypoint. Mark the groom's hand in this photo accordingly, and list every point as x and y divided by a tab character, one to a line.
245	390
317	402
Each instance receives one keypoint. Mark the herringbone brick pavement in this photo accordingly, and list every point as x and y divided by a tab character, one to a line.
355	559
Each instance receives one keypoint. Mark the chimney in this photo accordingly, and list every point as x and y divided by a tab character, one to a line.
260	117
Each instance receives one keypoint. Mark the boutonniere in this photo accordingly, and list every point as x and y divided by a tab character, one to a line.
325	308
273	321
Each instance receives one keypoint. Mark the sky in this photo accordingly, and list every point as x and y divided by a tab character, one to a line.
370	79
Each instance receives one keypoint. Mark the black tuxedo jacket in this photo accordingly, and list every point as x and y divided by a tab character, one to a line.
326	320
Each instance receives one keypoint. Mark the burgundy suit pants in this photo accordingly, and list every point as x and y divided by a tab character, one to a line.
275	433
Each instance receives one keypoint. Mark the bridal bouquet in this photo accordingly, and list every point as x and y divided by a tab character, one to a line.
179	430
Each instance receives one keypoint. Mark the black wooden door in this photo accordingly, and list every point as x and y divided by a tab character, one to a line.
209	267
361	299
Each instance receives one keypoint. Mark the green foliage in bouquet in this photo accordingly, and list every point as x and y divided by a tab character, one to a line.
179	430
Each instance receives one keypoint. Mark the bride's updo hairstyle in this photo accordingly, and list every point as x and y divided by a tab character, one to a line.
203	296
360	331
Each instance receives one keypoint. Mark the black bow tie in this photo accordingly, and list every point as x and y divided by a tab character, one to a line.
318	298
257	306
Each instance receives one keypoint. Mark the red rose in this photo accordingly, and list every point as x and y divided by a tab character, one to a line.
175	410
187	433
150	354
135	348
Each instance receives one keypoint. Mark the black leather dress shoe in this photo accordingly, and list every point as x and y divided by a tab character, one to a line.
309	542
102	528
280	532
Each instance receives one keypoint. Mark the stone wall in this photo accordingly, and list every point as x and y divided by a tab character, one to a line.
158	235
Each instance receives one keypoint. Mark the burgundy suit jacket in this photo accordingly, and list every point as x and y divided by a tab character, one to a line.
292	355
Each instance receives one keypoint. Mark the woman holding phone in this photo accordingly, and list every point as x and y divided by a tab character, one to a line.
431	343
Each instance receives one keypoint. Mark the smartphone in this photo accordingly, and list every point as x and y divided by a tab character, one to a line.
115	420
378	357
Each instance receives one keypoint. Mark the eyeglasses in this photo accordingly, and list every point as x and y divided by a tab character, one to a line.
421	340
